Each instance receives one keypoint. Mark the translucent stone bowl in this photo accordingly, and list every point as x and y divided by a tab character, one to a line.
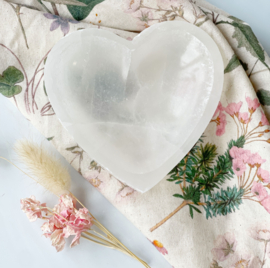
136	107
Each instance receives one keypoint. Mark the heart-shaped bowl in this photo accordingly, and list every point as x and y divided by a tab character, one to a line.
136	107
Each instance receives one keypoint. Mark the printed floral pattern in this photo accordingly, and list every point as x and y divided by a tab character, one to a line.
159	246
225	172
58	21
198	177
227	252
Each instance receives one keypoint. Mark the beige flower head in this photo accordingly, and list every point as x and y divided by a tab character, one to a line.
46	168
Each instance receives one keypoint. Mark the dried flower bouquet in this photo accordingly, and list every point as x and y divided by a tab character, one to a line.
64	220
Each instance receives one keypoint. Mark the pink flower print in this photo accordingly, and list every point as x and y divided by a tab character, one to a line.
221	124
266	203
240	153
263	175
259	190
239	167
58	240
255	160
224	246
264	121
261	232
243	117
97	178
252	104
220	108
241	261
144	17
125	193
132	6
233	108
32	208
159	246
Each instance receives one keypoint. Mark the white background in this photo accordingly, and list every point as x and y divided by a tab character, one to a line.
21	243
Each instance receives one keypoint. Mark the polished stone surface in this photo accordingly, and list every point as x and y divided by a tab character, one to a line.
136	107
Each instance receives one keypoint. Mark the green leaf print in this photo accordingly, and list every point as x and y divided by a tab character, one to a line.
246	39
236	19
245	65
201	176
233	63
80	13
224	202
264	97
8	80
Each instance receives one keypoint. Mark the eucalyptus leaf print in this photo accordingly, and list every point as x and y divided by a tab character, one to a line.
80	13
246	39
8	80
232	64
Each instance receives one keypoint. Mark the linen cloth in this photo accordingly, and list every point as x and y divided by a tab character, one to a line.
213	209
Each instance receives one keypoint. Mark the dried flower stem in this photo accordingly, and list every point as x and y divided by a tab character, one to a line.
99	243
17	12
111	237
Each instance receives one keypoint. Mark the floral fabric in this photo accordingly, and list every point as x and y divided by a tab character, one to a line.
212	210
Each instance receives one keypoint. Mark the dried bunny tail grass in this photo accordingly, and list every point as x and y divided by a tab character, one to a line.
47	169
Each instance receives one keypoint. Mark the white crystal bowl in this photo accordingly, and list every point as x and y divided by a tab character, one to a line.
136	107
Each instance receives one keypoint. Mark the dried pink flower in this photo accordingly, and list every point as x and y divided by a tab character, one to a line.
32	208
47	228
239	166
159	246
58	240
263	175
67	221
258	189
81	220
224	246
65	207
233	108
264	121
252	104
